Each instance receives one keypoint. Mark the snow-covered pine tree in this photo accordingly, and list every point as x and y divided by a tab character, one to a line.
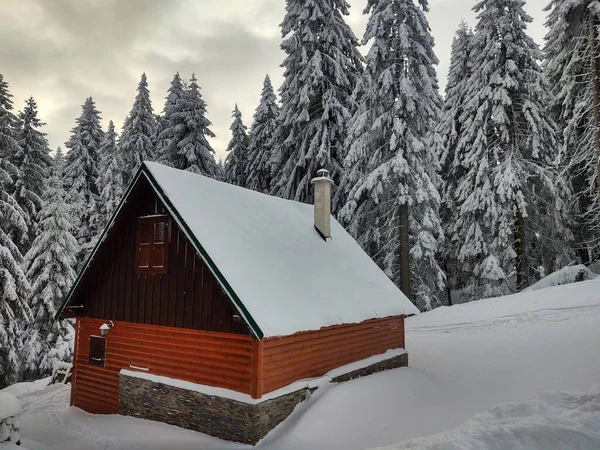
81	178
110	179
184	138
34	163
9	147
58	163
322	67
164	131
137	139
14	287
572	67
236	162
50	266
503	162
14	312
393	201
449	129
260	149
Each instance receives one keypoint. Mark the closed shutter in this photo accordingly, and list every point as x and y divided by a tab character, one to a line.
152	244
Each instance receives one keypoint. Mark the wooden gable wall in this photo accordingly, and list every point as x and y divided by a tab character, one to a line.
187	296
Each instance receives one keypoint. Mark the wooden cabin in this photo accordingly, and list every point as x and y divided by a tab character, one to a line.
199	290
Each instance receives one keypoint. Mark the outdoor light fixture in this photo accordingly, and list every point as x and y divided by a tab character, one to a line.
105	328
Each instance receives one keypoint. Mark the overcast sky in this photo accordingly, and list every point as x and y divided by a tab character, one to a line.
63	51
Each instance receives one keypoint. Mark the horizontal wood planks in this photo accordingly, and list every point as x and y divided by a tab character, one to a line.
314	353
210	358
187	296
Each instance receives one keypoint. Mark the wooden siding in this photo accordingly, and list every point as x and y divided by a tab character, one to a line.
187	296
314	353
214	359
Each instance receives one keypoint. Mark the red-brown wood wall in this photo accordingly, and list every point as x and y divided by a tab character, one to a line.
314	353
214	359
187	296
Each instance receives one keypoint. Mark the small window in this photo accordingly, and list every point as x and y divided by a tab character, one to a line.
97	350
152	244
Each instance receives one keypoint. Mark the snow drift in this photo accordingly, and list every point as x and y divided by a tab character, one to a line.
556	420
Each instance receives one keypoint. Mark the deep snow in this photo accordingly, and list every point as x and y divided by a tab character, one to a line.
469	364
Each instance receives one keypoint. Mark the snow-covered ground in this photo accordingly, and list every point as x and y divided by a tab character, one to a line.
481	376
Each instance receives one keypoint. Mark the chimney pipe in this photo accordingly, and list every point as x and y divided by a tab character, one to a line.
322	185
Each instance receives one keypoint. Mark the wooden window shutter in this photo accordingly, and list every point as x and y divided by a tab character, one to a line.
152	244
97	350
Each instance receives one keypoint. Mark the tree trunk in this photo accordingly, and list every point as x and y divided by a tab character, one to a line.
596	89
520	250
403	250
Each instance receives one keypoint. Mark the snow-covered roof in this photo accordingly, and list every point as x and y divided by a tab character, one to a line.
282	276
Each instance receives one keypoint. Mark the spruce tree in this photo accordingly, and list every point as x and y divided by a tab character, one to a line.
393	201
138	136
50	265
236	162
174	94
572	67
322	66
503	161
260	148
185	143
81	178
449	129
110	180
8	125
14	287
34	163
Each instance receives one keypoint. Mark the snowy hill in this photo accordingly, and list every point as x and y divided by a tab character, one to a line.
478	379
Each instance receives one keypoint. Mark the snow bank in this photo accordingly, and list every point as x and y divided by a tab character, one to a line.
558	421
566	275
19	389
9	406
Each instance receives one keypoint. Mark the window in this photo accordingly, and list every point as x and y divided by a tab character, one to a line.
152	244
97	350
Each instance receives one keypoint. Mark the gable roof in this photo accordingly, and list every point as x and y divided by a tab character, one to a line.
280	274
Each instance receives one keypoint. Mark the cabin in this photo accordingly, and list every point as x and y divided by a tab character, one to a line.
215	308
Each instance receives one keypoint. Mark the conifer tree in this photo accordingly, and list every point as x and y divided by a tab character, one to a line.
14	287
50	265
81	177
237	157
8	124
260	148
138	136
58	163
503	162
393	202
185	143
572	67
174	94
110	180
33	162
322	67
449	129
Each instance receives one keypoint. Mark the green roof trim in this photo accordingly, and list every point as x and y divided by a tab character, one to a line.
197	246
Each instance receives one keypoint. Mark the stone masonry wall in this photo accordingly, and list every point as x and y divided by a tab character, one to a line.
392	363
218	416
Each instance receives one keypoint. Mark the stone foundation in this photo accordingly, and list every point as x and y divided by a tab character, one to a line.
392	363
221	417
217	416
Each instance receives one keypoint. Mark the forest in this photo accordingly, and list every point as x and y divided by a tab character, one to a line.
476	193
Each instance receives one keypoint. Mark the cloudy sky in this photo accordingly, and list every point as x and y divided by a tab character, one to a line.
63	51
